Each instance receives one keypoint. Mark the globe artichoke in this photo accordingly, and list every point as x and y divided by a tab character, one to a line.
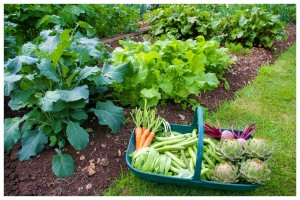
231	149
258	148
255	171
225	172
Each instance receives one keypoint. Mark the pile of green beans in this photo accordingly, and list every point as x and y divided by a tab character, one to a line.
168	155
209	158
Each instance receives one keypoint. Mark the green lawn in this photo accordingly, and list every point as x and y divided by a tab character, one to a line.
270	102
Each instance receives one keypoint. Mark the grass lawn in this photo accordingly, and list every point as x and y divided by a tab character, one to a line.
270	102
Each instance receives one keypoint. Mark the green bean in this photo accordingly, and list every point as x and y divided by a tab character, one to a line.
175	159
169	148
192	153
168	142
188	142
208	141
175	164
174	169
191	164
194	133
184	158
214	155
208	160
161	139
205	170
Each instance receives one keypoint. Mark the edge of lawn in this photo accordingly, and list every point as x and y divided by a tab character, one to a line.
270	102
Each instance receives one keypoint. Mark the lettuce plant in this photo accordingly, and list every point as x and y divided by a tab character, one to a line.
57	78
168	69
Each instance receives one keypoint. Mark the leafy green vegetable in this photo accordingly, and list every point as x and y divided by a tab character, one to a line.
53	78
63	165
252	26
168	69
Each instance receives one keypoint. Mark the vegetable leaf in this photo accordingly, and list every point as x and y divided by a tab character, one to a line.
15	65
33	142
46	68
77	136
12	133
109	114
63	165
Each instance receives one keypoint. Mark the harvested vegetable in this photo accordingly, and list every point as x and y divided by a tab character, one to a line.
241	137
231	149
137	119
217	133
255	171
258	148
225	172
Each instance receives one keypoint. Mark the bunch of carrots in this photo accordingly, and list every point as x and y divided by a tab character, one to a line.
146	125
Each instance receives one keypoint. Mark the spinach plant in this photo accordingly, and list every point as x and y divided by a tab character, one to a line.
57	78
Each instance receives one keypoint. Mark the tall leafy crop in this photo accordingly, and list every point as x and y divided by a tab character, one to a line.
57	78
250	27
168	69
181	21
254	27
107	20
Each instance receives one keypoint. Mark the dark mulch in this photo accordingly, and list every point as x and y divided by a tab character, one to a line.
35	177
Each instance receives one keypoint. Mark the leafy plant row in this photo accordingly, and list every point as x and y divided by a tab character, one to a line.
24	22
58	78
250	27
168	69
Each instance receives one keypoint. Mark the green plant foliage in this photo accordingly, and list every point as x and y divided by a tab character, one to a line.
105	19
250	27
168	69
181	21
57	78
254	27
237	49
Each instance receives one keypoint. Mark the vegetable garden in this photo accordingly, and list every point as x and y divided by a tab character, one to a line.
72	100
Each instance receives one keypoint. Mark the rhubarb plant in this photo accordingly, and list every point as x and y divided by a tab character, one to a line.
58	78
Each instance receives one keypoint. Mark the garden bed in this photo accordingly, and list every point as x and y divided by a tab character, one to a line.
106	151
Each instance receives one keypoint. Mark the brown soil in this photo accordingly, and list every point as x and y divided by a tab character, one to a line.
35	177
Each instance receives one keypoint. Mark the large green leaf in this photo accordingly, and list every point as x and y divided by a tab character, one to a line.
86	72
47	101
64	44
152	95
80	92
111	74
9	83
77	136
50	44
79	114
12	132
28	49
89	29
208	81
77	93
83	54
46	69
109	114
15	65
19	98
63	165
33	142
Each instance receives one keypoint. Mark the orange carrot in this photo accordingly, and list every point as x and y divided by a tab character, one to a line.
143	129
138	135
137	119
143	138
149	139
